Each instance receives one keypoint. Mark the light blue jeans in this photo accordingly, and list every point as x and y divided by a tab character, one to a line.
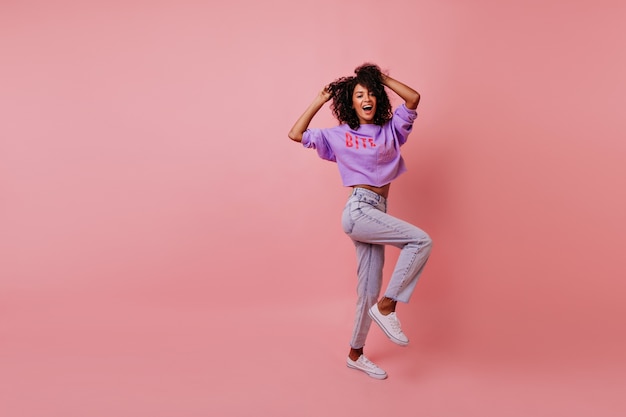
366	222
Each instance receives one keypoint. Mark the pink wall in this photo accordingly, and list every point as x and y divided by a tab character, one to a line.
146	174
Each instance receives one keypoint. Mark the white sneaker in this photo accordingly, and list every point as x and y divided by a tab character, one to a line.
367	366
390	325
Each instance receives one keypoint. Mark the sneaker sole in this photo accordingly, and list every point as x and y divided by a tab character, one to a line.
390	336
375	376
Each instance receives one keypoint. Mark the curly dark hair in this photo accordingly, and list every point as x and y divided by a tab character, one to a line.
370	76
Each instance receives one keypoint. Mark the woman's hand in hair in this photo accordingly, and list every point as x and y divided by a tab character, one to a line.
409	95
325	94
303	121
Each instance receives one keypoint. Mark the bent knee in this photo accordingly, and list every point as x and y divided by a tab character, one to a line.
423	241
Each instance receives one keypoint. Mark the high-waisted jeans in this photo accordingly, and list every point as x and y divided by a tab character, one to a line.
366	222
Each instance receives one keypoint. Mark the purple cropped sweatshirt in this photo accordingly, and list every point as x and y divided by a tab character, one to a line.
368	155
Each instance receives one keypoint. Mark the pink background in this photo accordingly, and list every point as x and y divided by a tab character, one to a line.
166	251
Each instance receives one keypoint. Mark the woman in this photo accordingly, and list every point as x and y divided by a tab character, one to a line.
366	148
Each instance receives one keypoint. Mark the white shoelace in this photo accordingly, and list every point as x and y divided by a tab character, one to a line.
395	322
368	362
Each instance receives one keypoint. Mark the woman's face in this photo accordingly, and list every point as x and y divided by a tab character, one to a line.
364	103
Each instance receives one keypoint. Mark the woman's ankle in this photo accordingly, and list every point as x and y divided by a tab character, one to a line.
386	305
355	353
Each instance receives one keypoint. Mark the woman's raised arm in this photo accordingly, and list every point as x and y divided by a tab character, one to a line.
411	97
303	121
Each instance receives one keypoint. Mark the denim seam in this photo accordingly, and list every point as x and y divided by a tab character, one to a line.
406	270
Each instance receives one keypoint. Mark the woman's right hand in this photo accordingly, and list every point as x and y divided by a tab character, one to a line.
303	121
325	94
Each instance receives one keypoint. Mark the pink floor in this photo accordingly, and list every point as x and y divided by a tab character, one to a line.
80	354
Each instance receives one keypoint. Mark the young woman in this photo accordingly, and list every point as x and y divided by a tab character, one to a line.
366	147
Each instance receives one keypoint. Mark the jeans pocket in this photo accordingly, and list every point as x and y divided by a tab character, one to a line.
346	219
